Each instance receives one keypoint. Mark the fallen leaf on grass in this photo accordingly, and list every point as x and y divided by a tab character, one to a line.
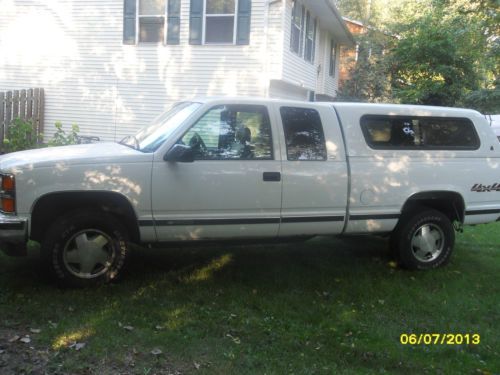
128	328
77	345
35	330
156	351
52	324
25	339
14	338
196	365
392	264
236	340
158	328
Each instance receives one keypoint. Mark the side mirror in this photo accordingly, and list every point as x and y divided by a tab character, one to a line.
180	153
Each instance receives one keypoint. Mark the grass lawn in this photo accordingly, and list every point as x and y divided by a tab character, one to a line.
326	306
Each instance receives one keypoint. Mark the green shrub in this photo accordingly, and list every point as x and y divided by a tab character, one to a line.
60	138
20	136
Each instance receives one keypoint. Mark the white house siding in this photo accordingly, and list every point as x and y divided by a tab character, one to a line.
296	70
327	84
74	49
309	76
274	38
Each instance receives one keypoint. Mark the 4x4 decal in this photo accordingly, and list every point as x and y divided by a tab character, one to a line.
480	188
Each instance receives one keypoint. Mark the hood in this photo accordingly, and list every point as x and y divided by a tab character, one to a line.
94	153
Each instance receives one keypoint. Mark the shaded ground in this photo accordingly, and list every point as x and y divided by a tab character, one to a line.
323	306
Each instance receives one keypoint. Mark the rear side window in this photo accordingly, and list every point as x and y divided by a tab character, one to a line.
303	134
435	133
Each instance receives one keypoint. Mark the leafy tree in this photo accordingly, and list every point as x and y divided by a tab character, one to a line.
444	54
369	76
486	101
432	64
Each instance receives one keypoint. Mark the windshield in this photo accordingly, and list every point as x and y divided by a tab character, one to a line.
149	138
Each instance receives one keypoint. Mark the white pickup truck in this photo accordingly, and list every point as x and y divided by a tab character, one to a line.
236	168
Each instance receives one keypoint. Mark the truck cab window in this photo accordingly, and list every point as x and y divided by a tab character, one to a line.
231	132
303	134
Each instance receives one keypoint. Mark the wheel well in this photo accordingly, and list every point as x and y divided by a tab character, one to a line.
51	206
449	203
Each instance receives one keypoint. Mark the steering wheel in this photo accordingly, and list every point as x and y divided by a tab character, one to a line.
197	144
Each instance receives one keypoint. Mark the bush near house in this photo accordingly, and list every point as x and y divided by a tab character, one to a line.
21	136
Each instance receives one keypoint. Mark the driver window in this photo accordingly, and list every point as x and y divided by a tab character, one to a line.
231	132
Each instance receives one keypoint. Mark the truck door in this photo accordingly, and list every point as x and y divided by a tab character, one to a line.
233	187
314	171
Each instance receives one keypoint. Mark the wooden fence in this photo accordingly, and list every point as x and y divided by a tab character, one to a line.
24	104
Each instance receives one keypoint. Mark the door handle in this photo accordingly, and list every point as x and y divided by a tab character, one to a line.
271	176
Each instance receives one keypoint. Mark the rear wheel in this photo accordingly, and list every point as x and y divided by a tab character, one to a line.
423	240
85	248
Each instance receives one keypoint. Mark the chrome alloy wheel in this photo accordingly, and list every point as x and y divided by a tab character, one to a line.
427	242
88	254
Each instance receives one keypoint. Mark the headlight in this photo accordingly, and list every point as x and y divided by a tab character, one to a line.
7	193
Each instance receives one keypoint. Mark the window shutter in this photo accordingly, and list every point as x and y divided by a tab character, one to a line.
244	16
173	21
129	15
315	25
195	21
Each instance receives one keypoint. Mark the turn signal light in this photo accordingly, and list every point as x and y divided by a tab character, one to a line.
8	205
8	194
8	183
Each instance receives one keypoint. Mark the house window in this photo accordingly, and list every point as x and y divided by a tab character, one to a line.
310	39
220	17
303	32
297	26
151	20
333	56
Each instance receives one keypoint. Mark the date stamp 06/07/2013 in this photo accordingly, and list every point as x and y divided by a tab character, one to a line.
440	339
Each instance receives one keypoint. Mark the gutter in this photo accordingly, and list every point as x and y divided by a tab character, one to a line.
339	18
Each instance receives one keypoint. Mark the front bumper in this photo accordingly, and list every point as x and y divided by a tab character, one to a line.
13	234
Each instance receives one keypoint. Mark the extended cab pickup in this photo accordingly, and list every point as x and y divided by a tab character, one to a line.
235	168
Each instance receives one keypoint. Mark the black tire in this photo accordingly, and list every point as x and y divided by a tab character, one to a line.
85	248
423	240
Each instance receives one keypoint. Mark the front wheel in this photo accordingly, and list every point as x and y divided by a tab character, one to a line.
85	248
424	240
